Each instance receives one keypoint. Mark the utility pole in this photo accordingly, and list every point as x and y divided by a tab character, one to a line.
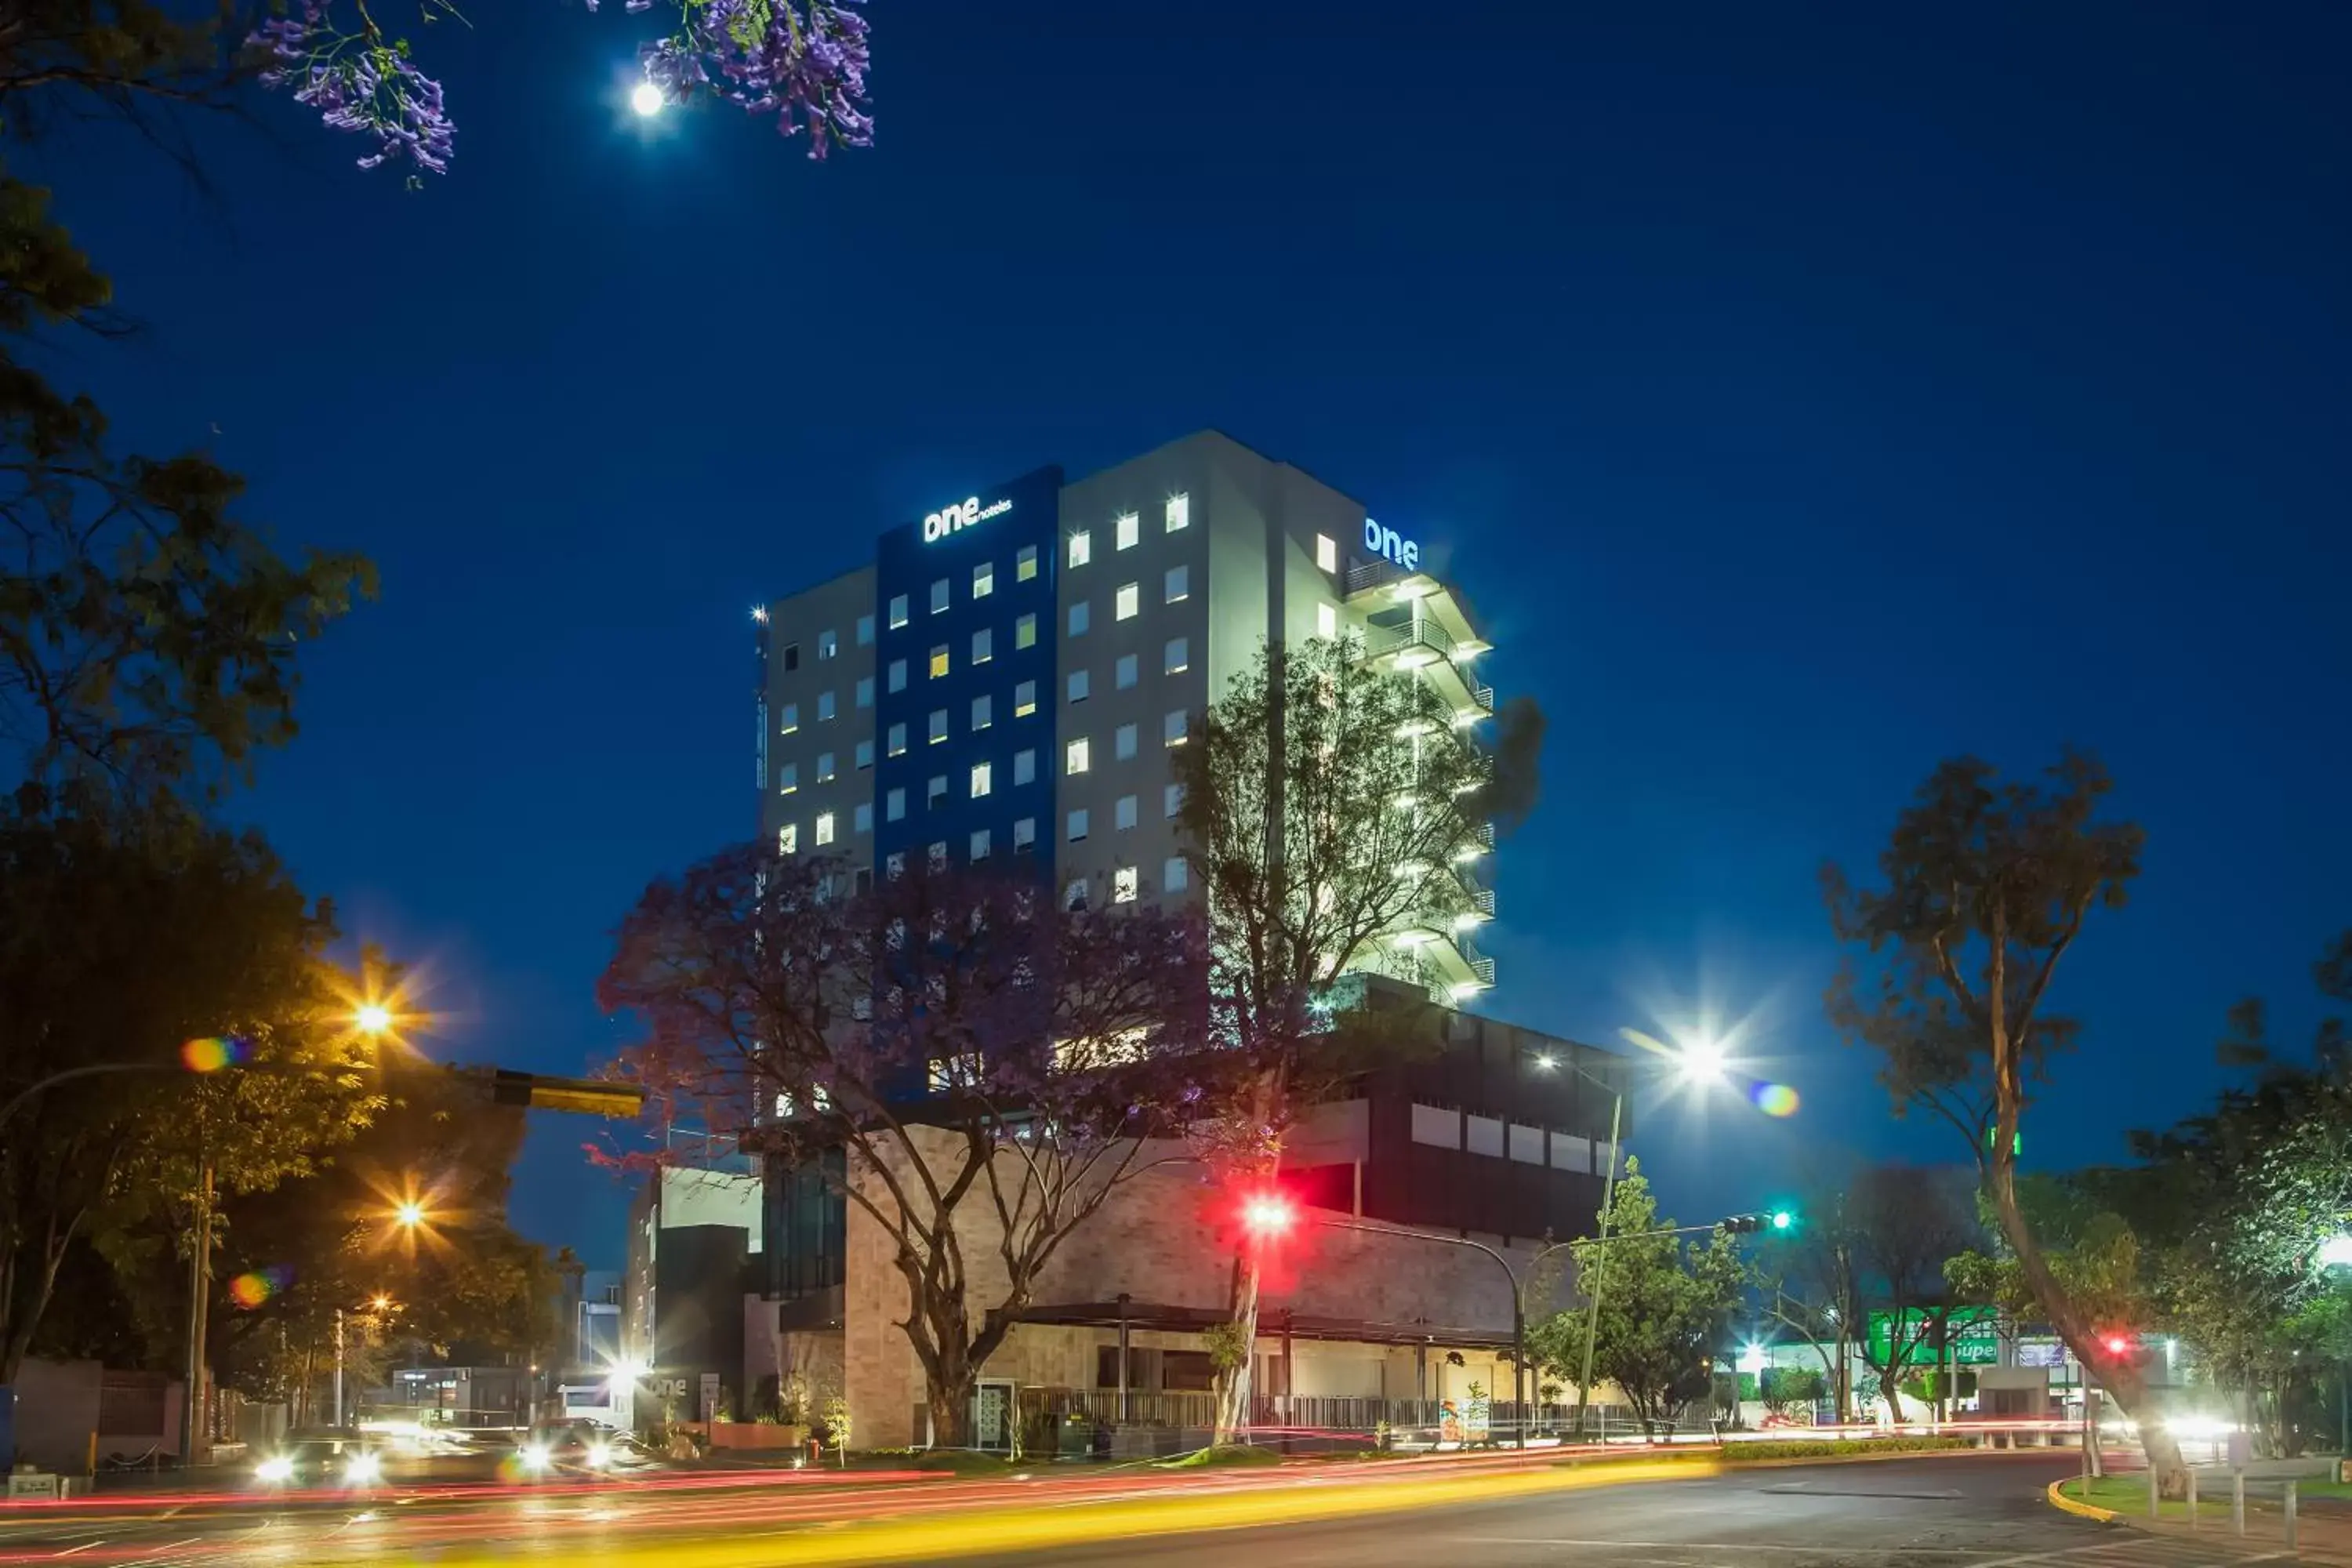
199	1287
339	1368
1599	1264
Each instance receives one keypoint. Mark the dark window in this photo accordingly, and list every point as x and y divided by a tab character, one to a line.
1187	1372
1107	1367
806	1222
791	656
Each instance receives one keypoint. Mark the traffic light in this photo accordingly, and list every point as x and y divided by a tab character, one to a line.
1784	1219
1742	1224
1268	1215
581	1096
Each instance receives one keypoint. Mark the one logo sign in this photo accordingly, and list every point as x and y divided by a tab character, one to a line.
1392	546
964	515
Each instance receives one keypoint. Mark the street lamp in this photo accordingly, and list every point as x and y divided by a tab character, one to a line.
408	1215
372	1018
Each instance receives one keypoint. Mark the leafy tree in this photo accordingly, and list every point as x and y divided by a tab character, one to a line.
1787	1389
974	1068
1325	802
1667	1306
1907	1222
1984	888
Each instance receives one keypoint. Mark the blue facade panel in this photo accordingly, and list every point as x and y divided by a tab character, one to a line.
989	530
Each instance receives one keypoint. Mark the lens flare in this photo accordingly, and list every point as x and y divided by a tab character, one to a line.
215	1052
250	1291
1774	1098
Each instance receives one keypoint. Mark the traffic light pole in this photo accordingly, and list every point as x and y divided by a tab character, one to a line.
1600	1269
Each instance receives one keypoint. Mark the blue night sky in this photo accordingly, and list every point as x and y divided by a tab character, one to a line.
1802	394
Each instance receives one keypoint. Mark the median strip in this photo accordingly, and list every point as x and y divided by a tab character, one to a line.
2065	1504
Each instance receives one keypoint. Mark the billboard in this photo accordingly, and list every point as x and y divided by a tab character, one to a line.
1974	1339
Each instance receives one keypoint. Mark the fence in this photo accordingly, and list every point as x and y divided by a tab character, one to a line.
1418	1421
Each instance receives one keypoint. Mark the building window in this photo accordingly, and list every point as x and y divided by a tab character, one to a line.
791	656
824	767
1025	765
828	644
1125	674
862	819
980	844
939	856
897	675
939	664
1025	566
1180	656
984	777
1122	745
824	705
1025	631
824	829
981	714
1179	513
1173	729
1078	686
894	805
866	692
1123	814
864	754
1130	529
984	645
1074	894
1075	756
895	867
1327	622
1078	619
1077	825
865	630
898	611
1129	602
1025	699
1177	586
1024	833
1123	885
939	596
983	580
1171	800
1327	554
788	838
1082	548
792	719
1176	875
788	778
938	726
936	792
898	739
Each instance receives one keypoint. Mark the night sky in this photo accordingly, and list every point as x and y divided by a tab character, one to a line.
1802	394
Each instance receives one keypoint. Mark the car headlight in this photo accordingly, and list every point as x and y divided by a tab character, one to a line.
277	1469
363	1468
534	1457
599	1455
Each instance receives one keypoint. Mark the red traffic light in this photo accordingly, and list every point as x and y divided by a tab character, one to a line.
2117	1344
1268	1215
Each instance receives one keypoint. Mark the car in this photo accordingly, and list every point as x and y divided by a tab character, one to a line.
321	1459
573	1445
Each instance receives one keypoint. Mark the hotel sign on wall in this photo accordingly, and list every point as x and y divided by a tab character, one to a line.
937	525
1392	546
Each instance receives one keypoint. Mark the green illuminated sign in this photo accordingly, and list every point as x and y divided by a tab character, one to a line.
1974	1341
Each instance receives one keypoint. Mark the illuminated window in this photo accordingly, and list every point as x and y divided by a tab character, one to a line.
824	767
938	662
980	844
1124	675
1025	765
1074	896
862	819
1327	622
1178	587
866	692
1180	656
1179	512
792	719
939	856
1077	828
1025	699
938	726
898	739
865	630
1172	730
1079	685
983	711
1129	601
788	778
788	838
824	705
984	645
983	779
1025	631
894	805
896	866
1075	756
864	754
898	611
898	681
1123	743
1123	814
1025	566
936	793
1327	554
939	596
1123	885
1082	548
1024	833
1130	529
1176	875
824	829
983	580
1079	617
1171	800
828	644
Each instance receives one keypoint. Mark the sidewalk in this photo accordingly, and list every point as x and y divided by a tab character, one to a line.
2323	1525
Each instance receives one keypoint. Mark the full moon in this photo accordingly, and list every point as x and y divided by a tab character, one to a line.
646	100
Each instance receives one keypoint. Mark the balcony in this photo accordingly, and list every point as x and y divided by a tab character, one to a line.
1423	644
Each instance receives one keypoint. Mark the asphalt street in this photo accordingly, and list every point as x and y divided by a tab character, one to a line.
1969	1511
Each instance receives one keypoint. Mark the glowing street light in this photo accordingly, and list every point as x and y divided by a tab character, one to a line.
372	1018
409	1214
1703	1061
646	100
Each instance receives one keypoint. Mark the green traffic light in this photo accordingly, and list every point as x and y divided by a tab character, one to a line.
1782	1219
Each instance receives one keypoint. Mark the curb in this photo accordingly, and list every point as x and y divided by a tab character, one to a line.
2065	1504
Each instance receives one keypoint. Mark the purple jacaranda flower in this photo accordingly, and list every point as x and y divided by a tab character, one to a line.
805	63
359	83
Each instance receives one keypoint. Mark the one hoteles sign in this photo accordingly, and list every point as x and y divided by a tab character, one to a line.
1392	546
964	515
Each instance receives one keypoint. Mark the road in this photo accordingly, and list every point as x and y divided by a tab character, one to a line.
1968	1511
